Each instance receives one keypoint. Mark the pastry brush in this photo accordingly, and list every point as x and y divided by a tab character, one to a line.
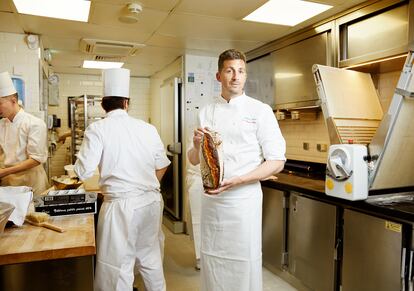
40	219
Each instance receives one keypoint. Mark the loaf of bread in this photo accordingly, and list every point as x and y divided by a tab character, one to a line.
211	160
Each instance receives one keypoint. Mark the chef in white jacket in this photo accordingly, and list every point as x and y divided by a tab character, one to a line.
23	142
131	161
231	216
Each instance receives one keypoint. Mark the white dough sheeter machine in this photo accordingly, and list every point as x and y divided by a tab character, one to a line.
369	150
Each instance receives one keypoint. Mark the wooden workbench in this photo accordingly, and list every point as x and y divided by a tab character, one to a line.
32	243
37	258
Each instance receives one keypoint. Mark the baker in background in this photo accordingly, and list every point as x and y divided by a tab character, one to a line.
195	191
131	160
23	141
231	216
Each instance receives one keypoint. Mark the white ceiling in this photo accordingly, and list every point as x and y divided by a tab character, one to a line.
168	28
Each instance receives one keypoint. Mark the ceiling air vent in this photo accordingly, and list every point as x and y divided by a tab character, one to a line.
109	47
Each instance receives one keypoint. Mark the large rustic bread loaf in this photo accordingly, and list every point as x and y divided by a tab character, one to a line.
211	160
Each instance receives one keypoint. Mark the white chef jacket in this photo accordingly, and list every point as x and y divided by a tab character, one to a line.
231	222
24	137
127	152
250	133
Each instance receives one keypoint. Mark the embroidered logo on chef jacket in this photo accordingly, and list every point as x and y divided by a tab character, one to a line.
248	119
249	123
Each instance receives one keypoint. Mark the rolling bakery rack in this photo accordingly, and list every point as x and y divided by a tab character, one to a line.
83	110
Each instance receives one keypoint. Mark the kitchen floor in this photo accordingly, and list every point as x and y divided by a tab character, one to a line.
181	275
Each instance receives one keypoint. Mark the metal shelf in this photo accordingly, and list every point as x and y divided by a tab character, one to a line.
80	120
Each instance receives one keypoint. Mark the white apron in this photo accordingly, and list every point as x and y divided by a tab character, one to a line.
35	178
195	192
231	241
128	236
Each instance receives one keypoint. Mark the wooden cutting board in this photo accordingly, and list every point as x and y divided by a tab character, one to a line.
31	243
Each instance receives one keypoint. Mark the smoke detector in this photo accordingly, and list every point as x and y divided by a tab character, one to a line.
130	13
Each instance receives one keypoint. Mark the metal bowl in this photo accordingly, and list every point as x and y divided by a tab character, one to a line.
6	210
59	185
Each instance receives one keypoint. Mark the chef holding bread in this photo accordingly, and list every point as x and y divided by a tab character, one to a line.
237	144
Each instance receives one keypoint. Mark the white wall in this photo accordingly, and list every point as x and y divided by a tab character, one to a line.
19	60
175	68
76	85
313	132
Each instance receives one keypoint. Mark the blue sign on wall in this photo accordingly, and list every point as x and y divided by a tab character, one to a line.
20	88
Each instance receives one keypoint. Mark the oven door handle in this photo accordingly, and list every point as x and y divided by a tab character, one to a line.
174	148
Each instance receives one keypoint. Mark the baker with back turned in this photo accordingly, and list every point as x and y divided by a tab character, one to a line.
131	161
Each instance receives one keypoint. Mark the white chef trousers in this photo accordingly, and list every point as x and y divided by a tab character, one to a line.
128	238
161	235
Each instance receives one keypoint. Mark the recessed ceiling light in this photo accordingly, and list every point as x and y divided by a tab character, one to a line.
77	10
101	65
286	12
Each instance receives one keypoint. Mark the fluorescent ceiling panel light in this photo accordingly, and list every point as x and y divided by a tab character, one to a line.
77	10
286	12
101	65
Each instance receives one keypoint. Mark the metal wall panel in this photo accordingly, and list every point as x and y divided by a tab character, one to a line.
293	70
380	32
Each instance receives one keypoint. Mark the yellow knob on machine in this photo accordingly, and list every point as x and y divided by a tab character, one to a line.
329	184
348	188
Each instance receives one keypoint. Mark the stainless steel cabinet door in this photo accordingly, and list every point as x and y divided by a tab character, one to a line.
273	229
293	70
375	36
311	242
371	253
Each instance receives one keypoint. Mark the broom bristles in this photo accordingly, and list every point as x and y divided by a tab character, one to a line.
37	217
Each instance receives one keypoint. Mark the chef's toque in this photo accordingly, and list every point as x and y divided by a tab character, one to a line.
6	85
115	82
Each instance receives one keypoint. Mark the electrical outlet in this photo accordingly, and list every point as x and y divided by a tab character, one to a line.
321	147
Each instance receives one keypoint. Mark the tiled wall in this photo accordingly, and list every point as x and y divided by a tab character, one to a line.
19	60
76	85
297	132
315	132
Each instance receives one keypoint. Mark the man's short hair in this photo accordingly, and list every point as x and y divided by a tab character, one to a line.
110	103
230	54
